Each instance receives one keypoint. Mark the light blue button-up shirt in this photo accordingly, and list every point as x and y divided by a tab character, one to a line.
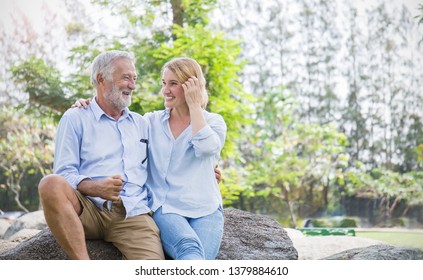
91	144
181	171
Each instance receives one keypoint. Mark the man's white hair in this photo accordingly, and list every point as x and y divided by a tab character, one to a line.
102	64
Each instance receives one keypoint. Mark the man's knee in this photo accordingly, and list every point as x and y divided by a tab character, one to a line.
52	185
48	182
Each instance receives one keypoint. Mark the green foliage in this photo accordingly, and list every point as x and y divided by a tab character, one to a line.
396	222
392	187
145	13
49	89
43	85
335	222
321	223
289	165
216	54
419	152
233	185
285	222
196	12
348	223
218	58
27	149
289	158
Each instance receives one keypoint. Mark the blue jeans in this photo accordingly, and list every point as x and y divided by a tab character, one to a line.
190	238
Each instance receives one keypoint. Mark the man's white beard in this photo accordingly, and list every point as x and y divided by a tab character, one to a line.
116	98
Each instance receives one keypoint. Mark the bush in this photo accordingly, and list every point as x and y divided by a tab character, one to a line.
396	222
321	223
334	222
348	223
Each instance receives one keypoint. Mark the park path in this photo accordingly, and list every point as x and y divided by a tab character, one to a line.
319	247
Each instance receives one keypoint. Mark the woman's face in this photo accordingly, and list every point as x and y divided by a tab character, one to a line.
172	90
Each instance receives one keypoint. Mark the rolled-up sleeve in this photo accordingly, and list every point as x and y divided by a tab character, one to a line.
66	155
210	140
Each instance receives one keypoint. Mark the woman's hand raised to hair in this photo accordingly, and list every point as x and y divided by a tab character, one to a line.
192	89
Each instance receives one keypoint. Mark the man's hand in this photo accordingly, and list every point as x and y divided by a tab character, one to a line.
218	174
111	187
108	188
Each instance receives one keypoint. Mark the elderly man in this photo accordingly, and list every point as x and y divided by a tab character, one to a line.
100	165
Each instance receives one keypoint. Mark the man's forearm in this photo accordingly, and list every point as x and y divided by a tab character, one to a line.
89	187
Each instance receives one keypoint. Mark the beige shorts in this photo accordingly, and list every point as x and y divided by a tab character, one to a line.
137	237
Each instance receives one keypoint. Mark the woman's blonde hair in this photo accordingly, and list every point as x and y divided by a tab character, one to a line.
184	68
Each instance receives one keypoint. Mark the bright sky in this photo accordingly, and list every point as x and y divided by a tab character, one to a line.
34	10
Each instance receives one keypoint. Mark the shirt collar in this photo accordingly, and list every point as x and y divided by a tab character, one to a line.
98	112
165	115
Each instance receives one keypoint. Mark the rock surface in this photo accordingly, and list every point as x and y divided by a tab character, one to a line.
254	237
246	237
379	252
43	246
33	220
4	225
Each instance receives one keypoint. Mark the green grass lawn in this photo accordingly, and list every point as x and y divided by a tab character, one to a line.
398	238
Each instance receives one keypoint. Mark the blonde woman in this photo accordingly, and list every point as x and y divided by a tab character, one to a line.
185	145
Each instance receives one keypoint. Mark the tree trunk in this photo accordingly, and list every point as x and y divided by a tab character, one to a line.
288	203
15	190
178	12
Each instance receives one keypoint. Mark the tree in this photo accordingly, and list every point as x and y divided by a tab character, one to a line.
392	106
320	43
390	188
46	92
368	87
299	163
217	56
27	149
183	32
268	29
420	17
23	43
353	120
341	69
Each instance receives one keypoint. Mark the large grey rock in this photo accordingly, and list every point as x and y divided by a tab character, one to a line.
6	245
4	225
254	237
43	246
32	220
379	252
246	237
23	235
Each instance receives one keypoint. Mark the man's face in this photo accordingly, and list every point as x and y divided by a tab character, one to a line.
118	91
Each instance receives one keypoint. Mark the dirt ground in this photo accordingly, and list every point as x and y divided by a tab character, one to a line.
319	247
